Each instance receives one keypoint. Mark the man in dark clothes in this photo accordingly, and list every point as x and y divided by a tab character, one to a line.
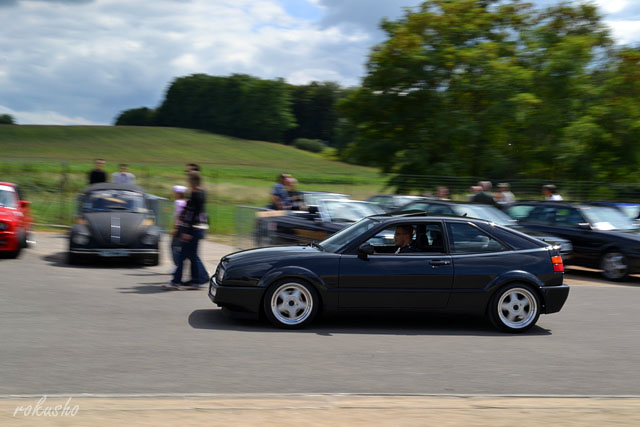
485	196
98	174
402	237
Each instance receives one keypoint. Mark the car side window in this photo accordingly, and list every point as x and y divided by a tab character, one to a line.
467	239
543	215
568	216
520	211
425	238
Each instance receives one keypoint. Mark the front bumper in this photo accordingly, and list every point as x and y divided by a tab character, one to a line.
9	241
236	298
114	252
554	297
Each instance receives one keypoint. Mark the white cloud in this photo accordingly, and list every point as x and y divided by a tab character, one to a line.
44	117
85	60
612	6
625	32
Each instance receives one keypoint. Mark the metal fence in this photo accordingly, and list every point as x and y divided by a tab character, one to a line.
55	188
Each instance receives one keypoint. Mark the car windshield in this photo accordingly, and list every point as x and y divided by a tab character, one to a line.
488	213
7	197
112	200
605	218
349	211
346	235
312	199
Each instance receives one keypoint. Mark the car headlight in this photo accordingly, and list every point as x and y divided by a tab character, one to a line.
80	239
220	275
4	226
150	237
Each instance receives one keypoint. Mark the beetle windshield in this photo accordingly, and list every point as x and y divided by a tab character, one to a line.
7	197
606	218
346	235
113	200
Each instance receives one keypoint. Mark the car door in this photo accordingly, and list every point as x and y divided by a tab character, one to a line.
477	258
405	280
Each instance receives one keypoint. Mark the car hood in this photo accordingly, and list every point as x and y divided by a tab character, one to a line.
115	228
9	215
269	253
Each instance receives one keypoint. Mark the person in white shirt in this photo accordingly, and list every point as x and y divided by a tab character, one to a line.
123	176
507	196
550	192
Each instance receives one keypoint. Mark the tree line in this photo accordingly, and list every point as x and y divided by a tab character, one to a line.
489	88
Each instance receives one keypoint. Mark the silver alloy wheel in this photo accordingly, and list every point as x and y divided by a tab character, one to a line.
614	265
517	308
291	303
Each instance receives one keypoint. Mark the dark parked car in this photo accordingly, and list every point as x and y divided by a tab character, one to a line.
392	202
113	220
317	223
487	212
457	264
602	236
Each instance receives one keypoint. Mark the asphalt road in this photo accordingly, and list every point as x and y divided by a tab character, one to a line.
110	328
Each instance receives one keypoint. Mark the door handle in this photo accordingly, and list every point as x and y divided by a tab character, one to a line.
438	262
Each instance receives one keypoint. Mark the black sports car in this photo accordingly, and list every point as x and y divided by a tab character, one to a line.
487	212
455	264
603	237
113	221
317	223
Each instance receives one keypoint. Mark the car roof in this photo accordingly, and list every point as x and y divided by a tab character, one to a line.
421	215
113	186
8	184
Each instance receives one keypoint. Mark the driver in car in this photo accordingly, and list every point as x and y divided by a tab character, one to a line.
403	239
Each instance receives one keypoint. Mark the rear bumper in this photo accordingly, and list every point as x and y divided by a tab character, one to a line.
554	297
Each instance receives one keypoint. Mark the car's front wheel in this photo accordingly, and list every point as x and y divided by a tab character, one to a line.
514	308
291	304
614	266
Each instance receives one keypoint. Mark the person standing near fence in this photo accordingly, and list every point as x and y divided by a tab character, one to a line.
123	176
98	174
191	231
550	192
279	194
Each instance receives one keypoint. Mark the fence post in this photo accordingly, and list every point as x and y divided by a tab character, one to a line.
63	192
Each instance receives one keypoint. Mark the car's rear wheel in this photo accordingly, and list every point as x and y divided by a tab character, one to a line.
291	304
614	266
514	308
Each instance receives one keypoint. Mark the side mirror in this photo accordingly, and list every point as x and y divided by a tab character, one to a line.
313	209
365	250
584	226
24	204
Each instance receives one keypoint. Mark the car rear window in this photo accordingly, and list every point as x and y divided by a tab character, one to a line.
513	238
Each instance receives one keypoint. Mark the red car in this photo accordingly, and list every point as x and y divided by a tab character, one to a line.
15	221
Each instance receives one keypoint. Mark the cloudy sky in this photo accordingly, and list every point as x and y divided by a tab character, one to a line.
84	61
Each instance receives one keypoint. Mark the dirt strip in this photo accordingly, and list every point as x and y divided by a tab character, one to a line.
321	410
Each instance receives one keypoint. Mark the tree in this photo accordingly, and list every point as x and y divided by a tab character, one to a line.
6	119
479	87
137	117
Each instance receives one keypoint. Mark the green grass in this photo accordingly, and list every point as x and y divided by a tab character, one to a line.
51	162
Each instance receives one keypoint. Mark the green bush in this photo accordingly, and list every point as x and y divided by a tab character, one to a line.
313	145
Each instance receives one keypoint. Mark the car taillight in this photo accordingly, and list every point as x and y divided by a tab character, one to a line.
558	265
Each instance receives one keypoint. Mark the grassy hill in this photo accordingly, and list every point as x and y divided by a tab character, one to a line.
51	163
